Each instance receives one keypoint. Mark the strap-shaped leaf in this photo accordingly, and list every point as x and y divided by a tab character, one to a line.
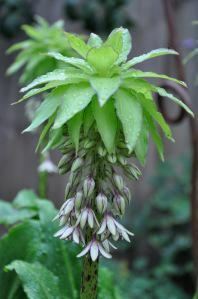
150	106
78	44
140	74
155	135
37	280
105	87
106	121
47	108
120	41
77	62
162	92
74	125
88	119
141	147
152	54
94	41
75	99
129	112
102	59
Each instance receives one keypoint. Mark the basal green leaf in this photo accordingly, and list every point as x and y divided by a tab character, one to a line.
77	62
141	147
10	215
155	135
102	59
47	108
74	125
105	87
25	198
140	74
78	44
162	92
129	112
88	119
75	99
94	41
152	54
37	280
150	106
21	59
22	242
106	121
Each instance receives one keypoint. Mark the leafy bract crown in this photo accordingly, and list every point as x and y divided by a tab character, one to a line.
41	38
102	89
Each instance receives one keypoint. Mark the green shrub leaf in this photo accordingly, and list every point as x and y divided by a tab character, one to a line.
152	54
129	112
105	87
75	99
74	125
94	41
164	93
88	119
150	106
47	108
106	121
78	45
102	59
141	147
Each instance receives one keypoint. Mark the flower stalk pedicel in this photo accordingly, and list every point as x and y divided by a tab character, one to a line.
99	112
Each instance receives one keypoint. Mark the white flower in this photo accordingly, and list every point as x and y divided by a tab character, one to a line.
88	186
87	215
65	210
115	228
70	232
48	166
95	248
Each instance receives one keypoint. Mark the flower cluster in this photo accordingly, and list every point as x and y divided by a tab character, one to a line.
96	196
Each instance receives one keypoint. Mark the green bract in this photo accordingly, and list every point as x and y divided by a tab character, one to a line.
102	89
42	38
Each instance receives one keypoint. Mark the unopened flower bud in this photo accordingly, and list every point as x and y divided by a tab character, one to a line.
66	158
101	203
122	160
127	193
88	143
88	186
67	190
118	180
132	172
119	203
76	164
112	158
102	151
78	200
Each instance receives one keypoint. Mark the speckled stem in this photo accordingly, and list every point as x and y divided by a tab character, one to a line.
89	275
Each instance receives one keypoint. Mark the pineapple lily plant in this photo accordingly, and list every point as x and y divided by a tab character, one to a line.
99	112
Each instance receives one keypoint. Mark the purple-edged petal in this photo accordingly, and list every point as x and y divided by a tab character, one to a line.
104	252
103	227
94	251
111	225
85	250
60	232
67	233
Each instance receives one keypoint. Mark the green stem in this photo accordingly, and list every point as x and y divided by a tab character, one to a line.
89	287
